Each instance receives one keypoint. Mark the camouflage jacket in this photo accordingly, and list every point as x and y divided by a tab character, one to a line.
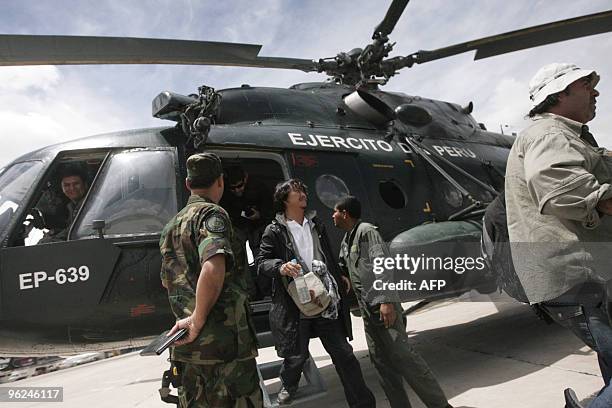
198	232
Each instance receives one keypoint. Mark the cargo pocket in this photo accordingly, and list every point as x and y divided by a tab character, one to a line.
245	331
217	340
182	305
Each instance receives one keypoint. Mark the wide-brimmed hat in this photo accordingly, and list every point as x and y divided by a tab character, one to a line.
553	78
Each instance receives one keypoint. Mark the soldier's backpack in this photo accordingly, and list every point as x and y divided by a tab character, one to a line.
495	247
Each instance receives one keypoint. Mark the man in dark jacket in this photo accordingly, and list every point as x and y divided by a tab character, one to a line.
294	234
249	204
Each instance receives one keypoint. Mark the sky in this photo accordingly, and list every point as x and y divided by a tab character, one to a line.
44	105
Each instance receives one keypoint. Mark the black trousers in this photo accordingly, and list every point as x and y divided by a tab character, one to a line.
331	333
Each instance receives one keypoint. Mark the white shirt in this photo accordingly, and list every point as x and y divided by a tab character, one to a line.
302	236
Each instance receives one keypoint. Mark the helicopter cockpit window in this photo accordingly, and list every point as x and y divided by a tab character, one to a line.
330	189
15	182
392	194
134	195
59	198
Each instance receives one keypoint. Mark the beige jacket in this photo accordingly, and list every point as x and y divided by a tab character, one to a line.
554	180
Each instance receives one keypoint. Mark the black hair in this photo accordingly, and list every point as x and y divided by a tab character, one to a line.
71	170
547	103
234	174
283	189
351	205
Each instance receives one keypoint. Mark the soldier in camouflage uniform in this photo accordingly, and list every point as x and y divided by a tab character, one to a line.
390	352
207	295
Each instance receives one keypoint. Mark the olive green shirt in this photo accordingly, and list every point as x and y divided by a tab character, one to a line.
358	250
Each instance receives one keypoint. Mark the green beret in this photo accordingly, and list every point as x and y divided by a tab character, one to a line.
204	166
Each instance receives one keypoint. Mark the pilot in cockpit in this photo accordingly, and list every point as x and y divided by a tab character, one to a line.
73	183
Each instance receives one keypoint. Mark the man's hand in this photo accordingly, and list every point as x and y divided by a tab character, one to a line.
605	206
347	283
290	269
193	329
208	288
387	314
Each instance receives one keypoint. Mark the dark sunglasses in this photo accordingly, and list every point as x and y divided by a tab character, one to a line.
237	186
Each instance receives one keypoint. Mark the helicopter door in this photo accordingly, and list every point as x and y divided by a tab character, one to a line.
135	197
101	287
330	177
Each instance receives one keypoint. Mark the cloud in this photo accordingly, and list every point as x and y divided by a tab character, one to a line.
28	79
42	105
506	107
24	130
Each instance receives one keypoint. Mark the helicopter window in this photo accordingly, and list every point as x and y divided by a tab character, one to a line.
135	195
59	198
330	189
15	182
392	194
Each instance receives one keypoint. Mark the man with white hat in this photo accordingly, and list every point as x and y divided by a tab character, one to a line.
559	198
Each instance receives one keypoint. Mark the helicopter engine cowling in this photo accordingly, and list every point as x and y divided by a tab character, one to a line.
370	107
442	259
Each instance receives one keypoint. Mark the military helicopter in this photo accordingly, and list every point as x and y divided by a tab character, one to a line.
424	170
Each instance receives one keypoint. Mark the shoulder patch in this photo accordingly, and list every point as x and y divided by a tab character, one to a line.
215	223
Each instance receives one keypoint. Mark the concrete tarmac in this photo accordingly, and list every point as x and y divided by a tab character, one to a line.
485	355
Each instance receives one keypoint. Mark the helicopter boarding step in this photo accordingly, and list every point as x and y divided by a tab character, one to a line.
312	388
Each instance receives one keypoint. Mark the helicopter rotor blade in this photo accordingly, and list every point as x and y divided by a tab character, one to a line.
393	14
557	31
81	50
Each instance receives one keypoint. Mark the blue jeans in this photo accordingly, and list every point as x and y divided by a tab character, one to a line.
585	316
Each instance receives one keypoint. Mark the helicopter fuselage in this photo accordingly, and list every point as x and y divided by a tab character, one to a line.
100	288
